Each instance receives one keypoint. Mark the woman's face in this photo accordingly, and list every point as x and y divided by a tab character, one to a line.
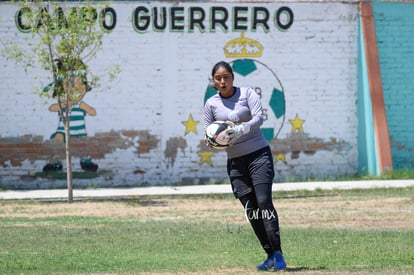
223	81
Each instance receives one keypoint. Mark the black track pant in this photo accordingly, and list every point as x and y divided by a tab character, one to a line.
263	217
251	178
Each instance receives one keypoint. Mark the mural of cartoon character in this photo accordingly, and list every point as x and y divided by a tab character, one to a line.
78	111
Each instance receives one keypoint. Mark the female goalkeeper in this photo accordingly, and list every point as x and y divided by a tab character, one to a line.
249	159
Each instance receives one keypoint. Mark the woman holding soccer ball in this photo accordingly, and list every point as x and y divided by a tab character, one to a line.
250	162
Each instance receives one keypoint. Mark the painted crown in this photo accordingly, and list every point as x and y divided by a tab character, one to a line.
243	47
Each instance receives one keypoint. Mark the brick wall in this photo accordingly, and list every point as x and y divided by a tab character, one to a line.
148	123
394	28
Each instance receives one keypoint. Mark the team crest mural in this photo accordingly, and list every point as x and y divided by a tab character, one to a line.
250	71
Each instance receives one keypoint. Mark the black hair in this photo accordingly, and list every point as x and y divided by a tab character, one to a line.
223	64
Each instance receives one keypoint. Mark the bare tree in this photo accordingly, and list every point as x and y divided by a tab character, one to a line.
65	36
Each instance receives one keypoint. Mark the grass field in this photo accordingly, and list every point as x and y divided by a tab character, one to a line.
323	232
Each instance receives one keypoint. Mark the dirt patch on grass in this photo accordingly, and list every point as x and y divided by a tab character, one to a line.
325	211
388	213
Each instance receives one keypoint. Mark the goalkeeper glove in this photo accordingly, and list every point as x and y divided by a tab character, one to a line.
239	130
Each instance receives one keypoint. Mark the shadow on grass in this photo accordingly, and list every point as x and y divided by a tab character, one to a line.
130	200
302	269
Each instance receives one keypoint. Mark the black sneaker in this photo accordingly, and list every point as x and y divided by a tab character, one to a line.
53	167
88	165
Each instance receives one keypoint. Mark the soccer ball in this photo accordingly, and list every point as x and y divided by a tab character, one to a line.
219	134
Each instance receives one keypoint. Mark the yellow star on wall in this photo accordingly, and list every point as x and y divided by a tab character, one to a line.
297	124
280	157
190	125
205	157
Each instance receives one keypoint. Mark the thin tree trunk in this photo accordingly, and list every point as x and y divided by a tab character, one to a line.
68	110
68	159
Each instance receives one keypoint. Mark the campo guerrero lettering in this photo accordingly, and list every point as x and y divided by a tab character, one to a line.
174	19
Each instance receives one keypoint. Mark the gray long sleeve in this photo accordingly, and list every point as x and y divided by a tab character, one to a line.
244	106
